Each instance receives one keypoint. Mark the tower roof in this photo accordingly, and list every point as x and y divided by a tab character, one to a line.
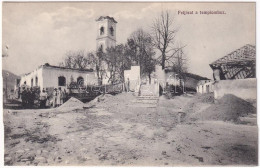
106	17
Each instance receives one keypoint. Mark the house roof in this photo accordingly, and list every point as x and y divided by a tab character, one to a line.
242	55
239	64
59	67
106	17
73	69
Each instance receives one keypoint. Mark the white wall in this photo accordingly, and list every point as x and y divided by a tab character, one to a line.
202	86
33	75
106	38
50	76
243	88
134	76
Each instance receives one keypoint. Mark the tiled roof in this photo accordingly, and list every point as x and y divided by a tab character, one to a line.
243	54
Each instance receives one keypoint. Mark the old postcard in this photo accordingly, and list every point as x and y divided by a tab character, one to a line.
129	84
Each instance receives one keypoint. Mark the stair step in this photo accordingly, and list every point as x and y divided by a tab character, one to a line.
146	102
144	105
147	98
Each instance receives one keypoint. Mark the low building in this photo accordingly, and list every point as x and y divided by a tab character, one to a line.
205	86
48	76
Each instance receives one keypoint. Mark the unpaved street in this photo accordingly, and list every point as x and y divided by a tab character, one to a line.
120	130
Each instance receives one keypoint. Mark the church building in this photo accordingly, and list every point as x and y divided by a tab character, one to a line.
106	38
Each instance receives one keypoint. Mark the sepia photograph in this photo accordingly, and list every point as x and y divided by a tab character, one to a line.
158	84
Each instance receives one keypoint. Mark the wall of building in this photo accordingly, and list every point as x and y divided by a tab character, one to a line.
134	77
106	39
243	88
50	76
205	86
27	78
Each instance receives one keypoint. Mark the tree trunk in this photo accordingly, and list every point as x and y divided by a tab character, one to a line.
163	60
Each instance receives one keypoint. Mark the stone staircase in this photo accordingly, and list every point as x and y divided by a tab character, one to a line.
148	96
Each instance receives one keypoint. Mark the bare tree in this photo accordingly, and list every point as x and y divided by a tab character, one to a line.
97	62
76	59
179	64
163	33
140	49
117	62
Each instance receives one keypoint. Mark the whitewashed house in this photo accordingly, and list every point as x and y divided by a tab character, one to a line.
205	86
48	76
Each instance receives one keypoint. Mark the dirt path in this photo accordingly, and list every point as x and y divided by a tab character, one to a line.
116	131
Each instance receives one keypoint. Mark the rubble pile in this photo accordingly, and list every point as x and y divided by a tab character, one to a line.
228	108
72	102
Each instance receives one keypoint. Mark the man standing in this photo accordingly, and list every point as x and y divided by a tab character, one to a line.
59	97
64	96
128	85
43	99
24	94
54	97
31	96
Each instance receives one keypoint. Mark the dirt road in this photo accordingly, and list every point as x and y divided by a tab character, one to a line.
119	131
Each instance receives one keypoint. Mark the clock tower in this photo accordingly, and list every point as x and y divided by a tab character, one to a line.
106	35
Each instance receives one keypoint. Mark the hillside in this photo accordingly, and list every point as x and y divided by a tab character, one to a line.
11	79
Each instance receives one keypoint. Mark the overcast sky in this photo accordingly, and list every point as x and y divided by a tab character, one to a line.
37	33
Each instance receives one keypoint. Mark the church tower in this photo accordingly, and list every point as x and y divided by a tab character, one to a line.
106	35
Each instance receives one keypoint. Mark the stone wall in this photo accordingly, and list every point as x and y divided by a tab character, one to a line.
243	88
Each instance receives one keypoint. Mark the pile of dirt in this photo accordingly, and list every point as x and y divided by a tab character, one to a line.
228	108
72	102
206	98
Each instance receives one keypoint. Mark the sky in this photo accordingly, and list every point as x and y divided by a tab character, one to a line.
39	33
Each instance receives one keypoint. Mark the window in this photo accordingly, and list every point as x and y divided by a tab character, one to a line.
112	31
36	81
31	82
102	30
101	48
62	81
80	81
